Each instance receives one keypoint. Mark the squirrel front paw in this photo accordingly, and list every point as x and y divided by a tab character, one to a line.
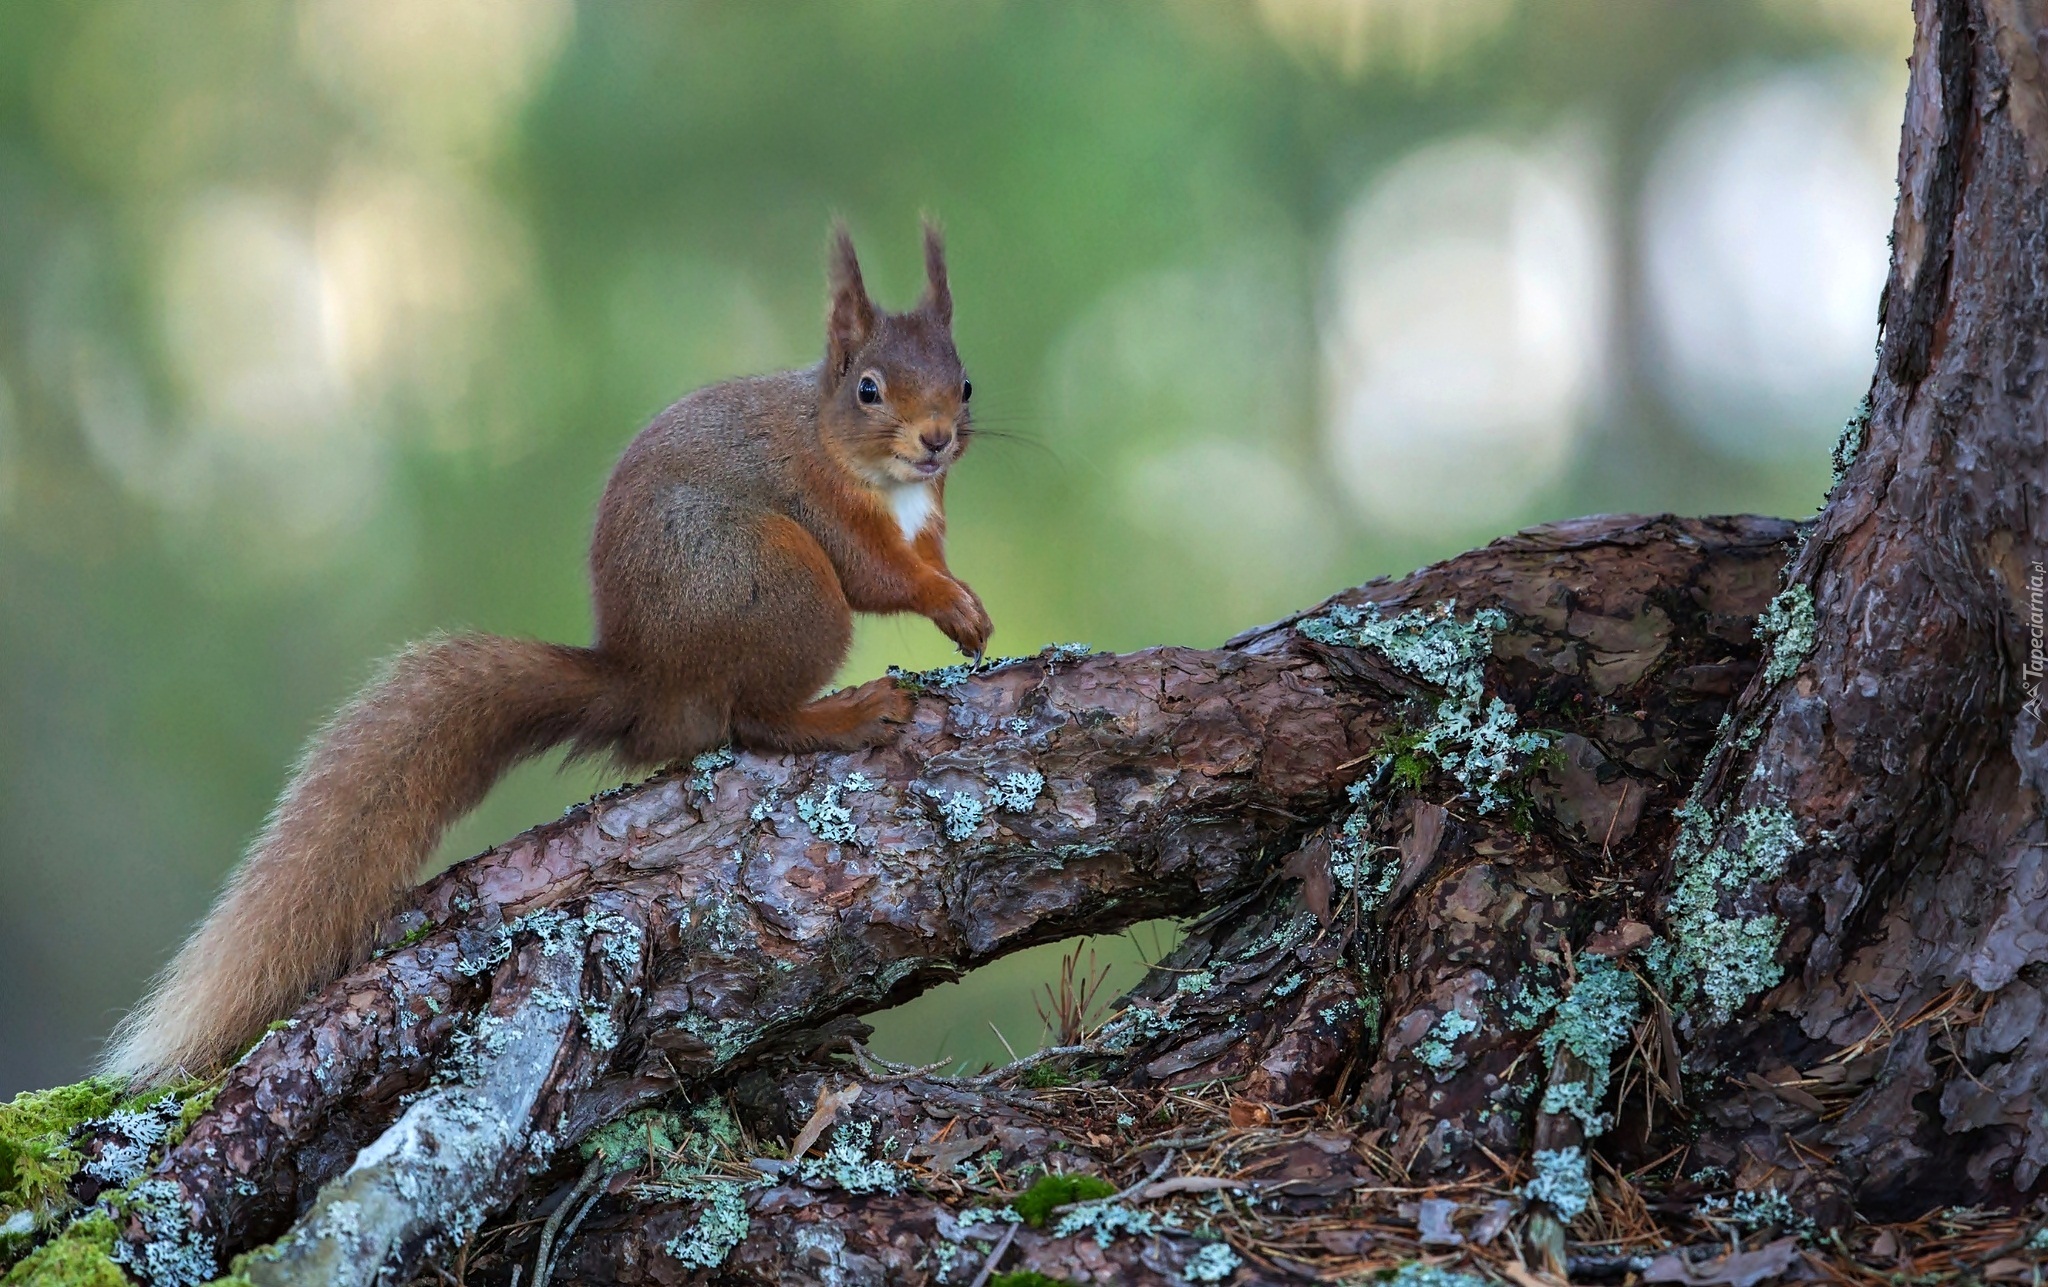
963	620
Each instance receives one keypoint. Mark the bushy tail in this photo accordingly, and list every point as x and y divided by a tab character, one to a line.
414	751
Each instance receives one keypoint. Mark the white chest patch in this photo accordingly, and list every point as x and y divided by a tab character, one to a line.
913	504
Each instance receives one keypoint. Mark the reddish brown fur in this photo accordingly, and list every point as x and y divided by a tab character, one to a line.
739	533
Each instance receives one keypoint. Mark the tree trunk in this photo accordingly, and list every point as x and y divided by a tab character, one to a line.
1626	880
1898	728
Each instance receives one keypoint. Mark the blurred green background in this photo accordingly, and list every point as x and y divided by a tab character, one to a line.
321	323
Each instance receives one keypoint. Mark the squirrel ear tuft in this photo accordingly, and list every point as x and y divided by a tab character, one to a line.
938	296
852	319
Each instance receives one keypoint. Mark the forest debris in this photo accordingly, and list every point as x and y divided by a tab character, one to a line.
1433	1220
1736	1269
830	1102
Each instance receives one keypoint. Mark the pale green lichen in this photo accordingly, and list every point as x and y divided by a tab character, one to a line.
1561	1179
1137	1025
989	1215
1789	627
1437	648
1850	445
1436	1049
1108	1221
1357	864
1417	1273
1016	792
727	1038
822	811
1763	1208
962	814
1593	1023
1532	1003
706	766
1481	751
1727	958
557	931
847	1164
722	1223
1214	1263
938	679
142	1133
1475	740
599	1028
174	1254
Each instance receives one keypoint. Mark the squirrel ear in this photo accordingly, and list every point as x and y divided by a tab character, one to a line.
852	319
938	296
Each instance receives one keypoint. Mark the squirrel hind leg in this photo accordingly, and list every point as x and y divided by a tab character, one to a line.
841	722
663	732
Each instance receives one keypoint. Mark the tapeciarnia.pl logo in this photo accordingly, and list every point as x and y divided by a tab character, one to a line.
2037	637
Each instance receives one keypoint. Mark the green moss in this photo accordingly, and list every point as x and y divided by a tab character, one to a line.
1027	1278
1045	1076
1407	768
676	1150
1055	1189
632	1139
36	1160
81	1256
406	940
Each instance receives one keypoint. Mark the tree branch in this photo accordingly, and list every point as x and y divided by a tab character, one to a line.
724	910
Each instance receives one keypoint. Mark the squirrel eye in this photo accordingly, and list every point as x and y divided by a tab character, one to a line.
966	390
869	392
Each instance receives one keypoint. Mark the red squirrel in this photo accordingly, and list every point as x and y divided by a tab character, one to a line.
738	535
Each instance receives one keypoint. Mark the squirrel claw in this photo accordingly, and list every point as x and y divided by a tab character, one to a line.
975	665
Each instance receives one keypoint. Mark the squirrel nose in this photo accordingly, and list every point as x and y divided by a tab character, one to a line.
935	440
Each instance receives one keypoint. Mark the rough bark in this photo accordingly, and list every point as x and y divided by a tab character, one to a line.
1906	741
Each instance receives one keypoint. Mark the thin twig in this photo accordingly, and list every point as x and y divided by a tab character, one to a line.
569	1230
591	1175
989	1266
1019	1065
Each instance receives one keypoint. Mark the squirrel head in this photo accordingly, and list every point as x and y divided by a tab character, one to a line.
892	403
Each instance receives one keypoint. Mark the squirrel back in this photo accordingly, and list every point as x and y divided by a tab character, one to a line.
737	536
